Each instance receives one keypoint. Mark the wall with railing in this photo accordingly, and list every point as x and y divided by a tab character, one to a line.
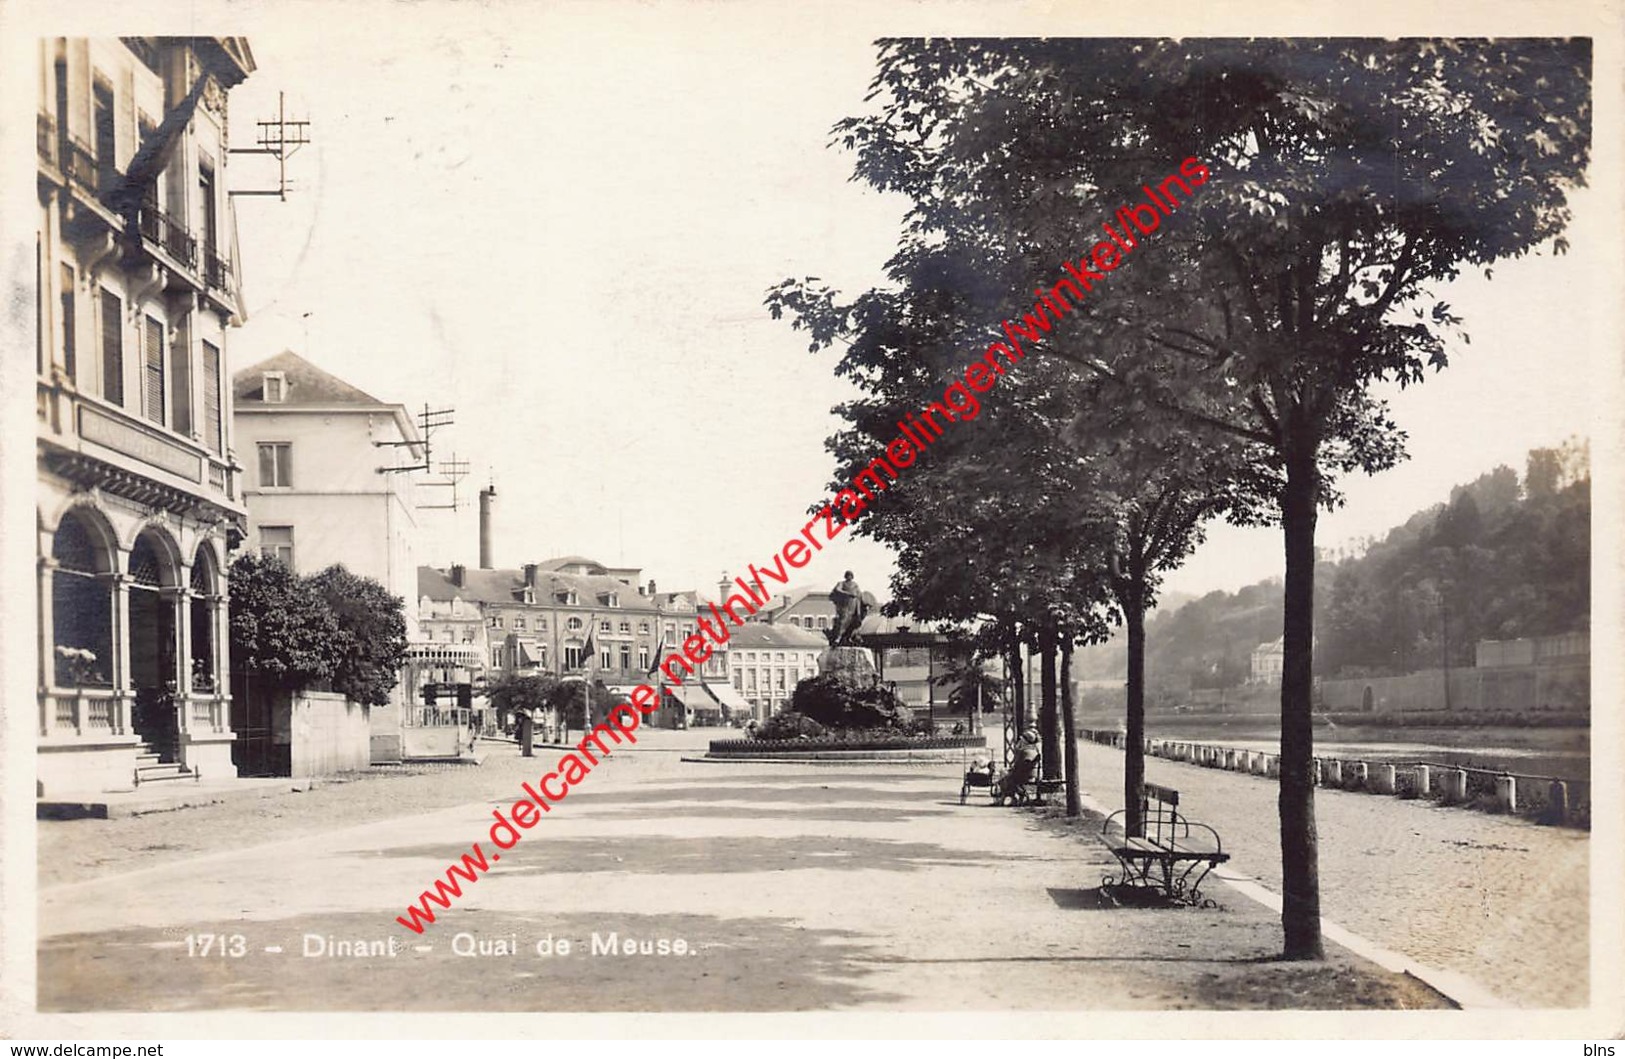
1544	799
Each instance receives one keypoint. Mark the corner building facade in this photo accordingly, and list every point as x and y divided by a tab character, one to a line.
137	501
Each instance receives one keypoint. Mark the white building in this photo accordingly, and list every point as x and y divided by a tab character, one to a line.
137	501
330	481
768	660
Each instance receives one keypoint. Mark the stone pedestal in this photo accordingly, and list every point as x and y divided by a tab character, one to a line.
853	665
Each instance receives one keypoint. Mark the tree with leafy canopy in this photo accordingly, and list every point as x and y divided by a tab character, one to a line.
282	630
1348	178
370	647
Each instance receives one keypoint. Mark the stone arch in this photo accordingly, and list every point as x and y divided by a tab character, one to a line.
154	559
84	550
97	528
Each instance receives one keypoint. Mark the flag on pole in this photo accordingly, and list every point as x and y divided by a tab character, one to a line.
660	649
589	652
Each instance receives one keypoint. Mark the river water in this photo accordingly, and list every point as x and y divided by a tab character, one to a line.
1563	753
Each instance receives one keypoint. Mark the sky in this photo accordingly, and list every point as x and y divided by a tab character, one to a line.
563	227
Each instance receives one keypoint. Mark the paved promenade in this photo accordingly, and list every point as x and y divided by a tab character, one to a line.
797	888
1495	898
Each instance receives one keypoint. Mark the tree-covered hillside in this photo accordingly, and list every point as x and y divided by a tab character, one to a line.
1502	558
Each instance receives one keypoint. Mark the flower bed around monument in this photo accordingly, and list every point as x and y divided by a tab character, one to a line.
853	741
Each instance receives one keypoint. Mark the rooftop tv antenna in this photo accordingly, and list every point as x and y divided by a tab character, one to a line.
281	139
429	420
453	471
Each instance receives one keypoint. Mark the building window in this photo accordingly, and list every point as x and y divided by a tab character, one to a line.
626	628
739	680
180	380
106	132
643	627
778	680
152	392
276	542
572	657
205	186
212	434
626	657
496	621
614	599
541	624
276	465
70	350
643	657
496	658
274	387
796	622
112	347
795	677
574	625
605	626
671	632
604	659
823	623
750	680
779	657
519	623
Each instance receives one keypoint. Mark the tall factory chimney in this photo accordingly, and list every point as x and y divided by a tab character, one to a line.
488	496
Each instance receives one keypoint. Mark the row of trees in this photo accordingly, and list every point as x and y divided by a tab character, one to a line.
1224	370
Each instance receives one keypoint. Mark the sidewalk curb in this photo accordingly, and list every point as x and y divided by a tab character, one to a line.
1455	987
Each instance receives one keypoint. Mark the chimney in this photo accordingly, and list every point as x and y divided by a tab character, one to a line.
651	586
488	496
459	574
724	586
530	575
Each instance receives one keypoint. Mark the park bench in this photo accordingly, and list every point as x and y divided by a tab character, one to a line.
1032	792
1172	856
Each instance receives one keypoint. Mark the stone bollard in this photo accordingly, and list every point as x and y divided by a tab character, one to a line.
1557	803
1314	772
1255	764
1230	760
1272	765
1506	793
1334	772
1382	779
1453	785
1358	774
1424	781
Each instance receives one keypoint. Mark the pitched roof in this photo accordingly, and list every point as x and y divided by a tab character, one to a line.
507	586
306	385
755	634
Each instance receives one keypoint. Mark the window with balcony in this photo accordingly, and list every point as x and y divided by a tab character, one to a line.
112	347
211	246
276	542
70	350
106	133
276	464
152	393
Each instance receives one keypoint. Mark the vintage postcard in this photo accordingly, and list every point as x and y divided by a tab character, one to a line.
924	519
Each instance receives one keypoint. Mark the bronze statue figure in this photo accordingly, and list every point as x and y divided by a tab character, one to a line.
850	609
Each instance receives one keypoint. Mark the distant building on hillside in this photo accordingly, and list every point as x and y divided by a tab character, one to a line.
1265	665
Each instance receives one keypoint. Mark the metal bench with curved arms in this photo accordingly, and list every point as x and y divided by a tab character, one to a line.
1172	855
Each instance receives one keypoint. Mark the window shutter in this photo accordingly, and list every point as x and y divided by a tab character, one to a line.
211	398
155	371
112	348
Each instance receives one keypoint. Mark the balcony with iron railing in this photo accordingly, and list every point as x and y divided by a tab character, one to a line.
216	270
79	164
160	228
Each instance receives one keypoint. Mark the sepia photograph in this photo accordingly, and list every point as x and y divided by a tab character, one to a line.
913	520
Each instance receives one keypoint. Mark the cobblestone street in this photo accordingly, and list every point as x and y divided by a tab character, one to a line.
794	888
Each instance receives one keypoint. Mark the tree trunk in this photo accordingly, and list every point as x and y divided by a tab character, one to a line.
1049	726
1133	604
1018	688
1069	731
1300	873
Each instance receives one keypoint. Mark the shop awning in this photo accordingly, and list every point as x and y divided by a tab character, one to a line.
530	652
727	695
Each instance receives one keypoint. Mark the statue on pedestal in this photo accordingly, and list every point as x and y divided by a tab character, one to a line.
850	609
